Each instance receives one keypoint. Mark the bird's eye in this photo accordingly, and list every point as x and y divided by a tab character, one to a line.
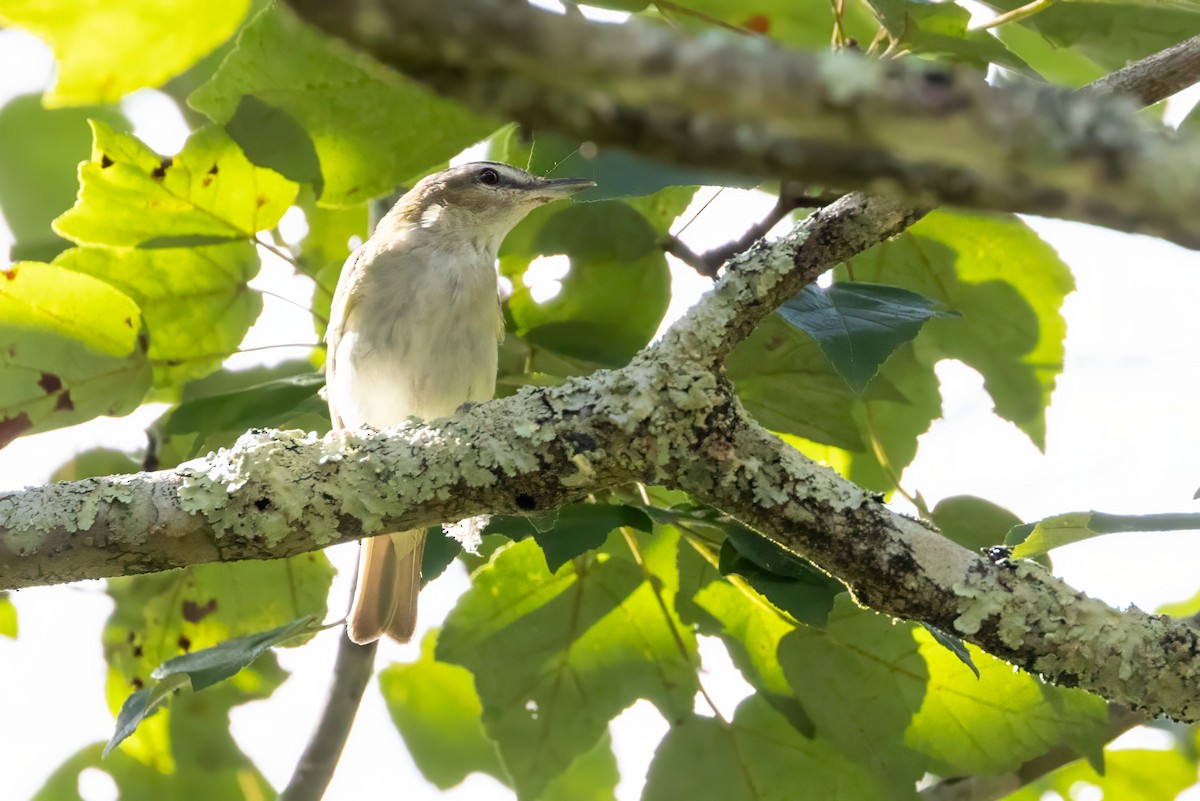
489	176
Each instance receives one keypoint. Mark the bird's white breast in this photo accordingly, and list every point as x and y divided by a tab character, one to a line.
420	339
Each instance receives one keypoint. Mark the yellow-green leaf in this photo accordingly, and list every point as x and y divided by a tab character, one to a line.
209	193
71	348
107	49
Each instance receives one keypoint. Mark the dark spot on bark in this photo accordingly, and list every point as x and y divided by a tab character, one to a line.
160	171
904	564
262	504
194	612
11	273
526	502
580	443
1066	680
49	383
105	161
65	404
137	683
13	427
184	643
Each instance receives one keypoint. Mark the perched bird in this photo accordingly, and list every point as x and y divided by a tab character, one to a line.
413	332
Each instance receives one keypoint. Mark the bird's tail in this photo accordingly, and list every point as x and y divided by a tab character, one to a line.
385	595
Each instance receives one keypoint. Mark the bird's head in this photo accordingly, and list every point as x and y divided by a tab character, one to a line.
480	201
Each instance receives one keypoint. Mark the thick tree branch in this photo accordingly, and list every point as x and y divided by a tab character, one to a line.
667	418
1155	77
923	133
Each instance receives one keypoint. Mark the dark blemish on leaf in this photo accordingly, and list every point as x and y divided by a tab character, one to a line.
160	171
11	273
137	652
213	170
525	502
194	612
184	643
261	201
65	404
262	503
132	637
143	340
13	427
129	322
105	161
137	683
758	23
49	383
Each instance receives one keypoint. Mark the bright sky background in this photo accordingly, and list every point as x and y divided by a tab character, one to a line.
1122	437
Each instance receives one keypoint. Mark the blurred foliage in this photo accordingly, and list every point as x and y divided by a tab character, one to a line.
141	290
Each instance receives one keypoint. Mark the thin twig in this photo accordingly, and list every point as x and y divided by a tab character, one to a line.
351	672
709	262
1017	14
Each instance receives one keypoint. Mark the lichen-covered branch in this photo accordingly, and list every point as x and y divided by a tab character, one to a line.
924	133
667	418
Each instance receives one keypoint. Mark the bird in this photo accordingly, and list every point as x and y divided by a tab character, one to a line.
414	331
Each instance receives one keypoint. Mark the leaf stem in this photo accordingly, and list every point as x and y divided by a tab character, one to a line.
631	541
1016	15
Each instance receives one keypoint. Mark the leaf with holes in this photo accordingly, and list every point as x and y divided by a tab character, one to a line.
210	193
71	348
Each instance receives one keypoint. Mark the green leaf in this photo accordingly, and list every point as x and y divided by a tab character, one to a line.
1129	774
141	705
618	173
1062	66
556	656
209	193
8	616
348	105
440	551
591	777
438	713
96	462
1009	286
208	666
758	755
940	29
107	50
974	523
786	382
790	583
1038	538
71	348
861	679
41	148
615	293
270	137
196	301
1008	716
1111	33
858	325
256	406
954	645
582	527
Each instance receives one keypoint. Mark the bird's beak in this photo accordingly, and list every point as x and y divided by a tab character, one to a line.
547	189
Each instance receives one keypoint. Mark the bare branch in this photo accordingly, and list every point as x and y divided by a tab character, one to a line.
1155	77
351	672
